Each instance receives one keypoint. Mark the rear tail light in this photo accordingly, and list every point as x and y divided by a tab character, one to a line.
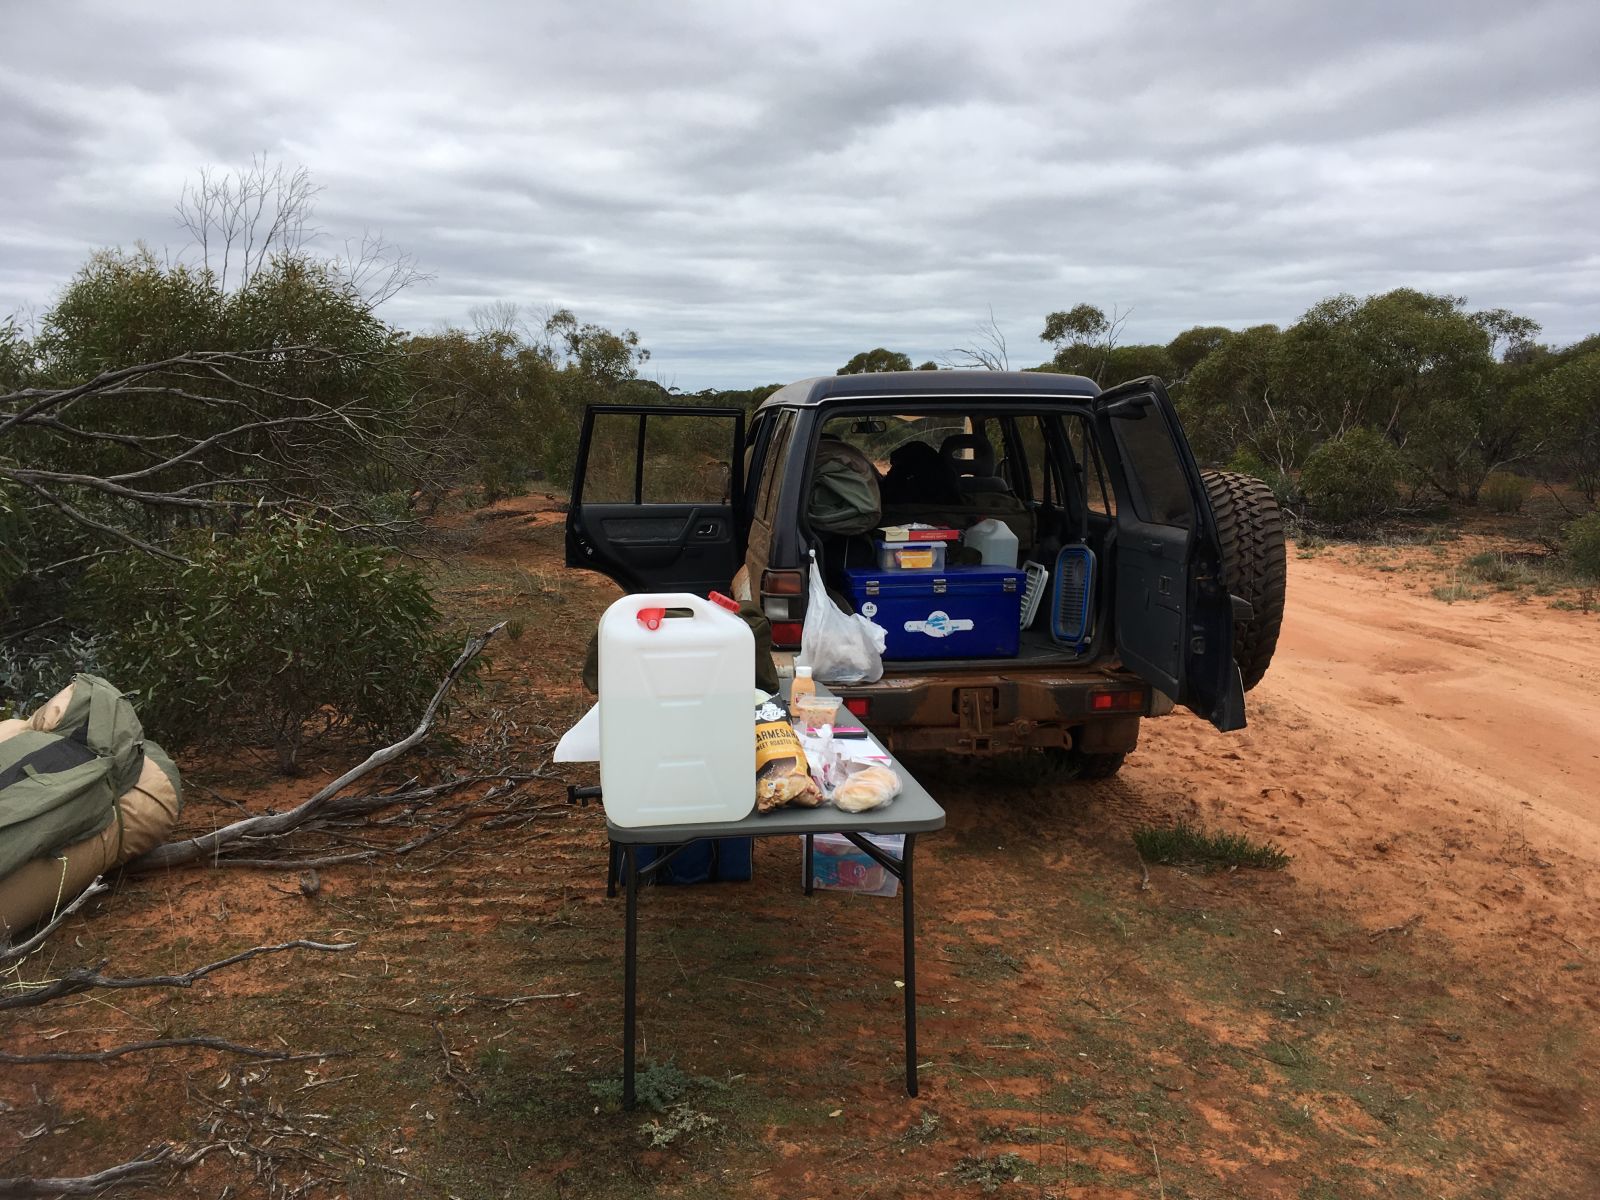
786	635
858	705
780	592
1118	700
783	583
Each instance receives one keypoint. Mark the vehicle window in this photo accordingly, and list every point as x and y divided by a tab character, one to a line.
1029	435
1150	457
659	458
878	437
609	476
686	460
772	464
1099	496
756	457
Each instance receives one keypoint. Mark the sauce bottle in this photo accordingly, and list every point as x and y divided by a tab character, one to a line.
803	685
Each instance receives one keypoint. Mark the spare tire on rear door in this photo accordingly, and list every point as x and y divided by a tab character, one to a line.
1250	525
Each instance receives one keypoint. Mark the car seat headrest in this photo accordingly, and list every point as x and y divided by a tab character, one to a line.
968	454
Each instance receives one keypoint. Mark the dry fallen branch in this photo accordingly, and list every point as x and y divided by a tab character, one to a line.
454	1073
158	1158
86	979
296	864
23	949
205	1043
175	854
1405	927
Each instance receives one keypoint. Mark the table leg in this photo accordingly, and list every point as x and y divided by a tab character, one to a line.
611	870
630	970
810	840
908	920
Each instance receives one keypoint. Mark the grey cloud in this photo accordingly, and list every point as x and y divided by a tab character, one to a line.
762	191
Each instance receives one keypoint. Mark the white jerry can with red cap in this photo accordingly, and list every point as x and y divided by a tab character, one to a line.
677	733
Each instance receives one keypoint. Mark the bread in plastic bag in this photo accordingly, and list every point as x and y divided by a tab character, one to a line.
840	647
866	789
782	774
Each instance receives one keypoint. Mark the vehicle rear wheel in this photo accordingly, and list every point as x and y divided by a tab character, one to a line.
1250	525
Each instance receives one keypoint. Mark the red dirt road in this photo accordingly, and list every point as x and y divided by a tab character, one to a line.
1491	699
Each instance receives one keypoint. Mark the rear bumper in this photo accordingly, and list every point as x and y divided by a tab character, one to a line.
988	712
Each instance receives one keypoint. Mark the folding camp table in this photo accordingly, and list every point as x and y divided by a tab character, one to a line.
912	812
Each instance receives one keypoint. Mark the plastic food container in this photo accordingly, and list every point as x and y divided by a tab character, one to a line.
910	556
813	711
838	865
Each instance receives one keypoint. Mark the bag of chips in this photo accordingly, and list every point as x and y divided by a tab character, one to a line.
782	774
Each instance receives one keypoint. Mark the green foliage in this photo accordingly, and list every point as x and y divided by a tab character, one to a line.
13	543
1504	492
34	669
1285	488
1084	323
1184	844
1582	546
1192	346
657	1087
879	359
681	1123
1082	336
284	632
990	1174
16	357
1231	404
1456	589
1569	402
1122	363
1351	479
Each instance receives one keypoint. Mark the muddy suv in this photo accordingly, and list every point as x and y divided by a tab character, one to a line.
1180	602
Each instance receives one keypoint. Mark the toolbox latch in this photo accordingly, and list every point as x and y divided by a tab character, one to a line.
872	587
1010	584
939	586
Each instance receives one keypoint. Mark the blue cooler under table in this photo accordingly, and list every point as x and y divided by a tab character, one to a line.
957	612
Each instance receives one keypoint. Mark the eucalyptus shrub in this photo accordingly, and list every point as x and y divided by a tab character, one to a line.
1350	479
283	633
1583	546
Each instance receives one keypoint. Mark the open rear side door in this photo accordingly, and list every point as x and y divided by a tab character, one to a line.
656	493
1174	615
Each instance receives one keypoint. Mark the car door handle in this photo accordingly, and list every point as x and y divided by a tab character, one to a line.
708	529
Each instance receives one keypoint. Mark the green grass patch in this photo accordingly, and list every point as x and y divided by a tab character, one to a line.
1189	845
1456	589
1498	570
990	1173
658	1087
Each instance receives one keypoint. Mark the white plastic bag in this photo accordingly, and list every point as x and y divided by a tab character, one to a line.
840	647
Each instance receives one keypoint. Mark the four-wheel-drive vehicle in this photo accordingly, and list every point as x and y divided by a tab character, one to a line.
1182	606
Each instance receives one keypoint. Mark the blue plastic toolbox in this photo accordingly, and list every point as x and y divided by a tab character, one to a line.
960	612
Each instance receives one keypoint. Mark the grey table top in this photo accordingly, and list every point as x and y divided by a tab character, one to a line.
912	811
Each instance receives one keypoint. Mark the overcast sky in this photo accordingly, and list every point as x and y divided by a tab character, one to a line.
763	189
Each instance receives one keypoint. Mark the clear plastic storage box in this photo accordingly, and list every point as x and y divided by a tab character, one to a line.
910	556
838	864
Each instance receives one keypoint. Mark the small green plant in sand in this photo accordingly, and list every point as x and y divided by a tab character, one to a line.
1189	845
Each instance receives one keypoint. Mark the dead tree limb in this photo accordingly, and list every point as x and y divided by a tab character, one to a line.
87	979
23	949
157	1158
296	864
175	854
204	1043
